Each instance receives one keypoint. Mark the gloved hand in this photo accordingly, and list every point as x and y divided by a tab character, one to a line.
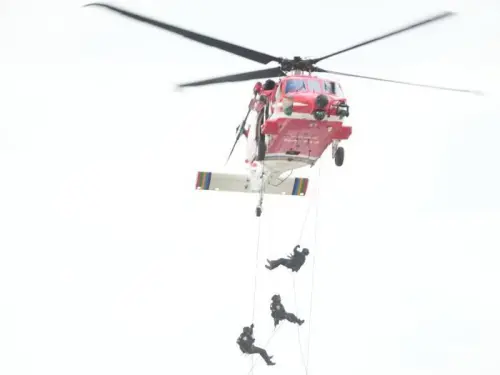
251	326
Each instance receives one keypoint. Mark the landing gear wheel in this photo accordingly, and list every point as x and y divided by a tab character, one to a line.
258	211
339	157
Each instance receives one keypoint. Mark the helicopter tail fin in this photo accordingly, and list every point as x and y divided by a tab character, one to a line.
240	183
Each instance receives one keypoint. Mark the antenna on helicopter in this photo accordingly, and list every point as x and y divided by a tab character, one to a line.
297	64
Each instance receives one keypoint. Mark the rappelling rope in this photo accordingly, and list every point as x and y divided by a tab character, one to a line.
255	282
257	257
293	280
256	267
256	272
305	220
314	264
304	362
298	328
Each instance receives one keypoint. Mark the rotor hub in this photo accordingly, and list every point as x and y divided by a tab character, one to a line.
297	64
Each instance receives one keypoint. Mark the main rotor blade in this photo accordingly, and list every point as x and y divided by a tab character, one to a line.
400	82
256	74
398	31
247	53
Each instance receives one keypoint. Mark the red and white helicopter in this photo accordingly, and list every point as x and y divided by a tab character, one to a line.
289	123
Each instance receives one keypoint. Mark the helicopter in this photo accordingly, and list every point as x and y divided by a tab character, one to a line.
289	123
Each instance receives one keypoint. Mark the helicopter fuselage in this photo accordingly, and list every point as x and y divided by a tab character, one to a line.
298	119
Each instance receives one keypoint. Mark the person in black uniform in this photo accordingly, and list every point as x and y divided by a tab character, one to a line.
245	342
279	313
293	262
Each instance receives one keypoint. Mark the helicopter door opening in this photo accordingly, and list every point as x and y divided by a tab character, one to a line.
252	136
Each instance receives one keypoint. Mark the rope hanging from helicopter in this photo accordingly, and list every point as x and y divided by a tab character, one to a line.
256	268
259	225
316	201
276	329
304	358
255	284
258	221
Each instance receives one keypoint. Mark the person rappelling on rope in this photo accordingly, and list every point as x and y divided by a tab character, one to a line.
293	262
279	313
245	342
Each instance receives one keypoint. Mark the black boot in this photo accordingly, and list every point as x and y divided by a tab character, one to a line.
270	266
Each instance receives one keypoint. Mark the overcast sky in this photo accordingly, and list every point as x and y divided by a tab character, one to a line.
111	262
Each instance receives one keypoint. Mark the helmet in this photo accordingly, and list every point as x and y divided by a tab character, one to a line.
305	251
276	298
246	329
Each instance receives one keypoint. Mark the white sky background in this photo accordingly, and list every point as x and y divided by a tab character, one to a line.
111	263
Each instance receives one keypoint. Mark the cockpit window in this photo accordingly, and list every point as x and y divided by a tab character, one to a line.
314	86
338	90
295	85
329	87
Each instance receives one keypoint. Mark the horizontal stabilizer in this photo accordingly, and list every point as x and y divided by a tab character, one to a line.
239	183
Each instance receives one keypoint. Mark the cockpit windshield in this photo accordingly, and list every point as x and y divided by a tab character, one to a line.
309	85
295	85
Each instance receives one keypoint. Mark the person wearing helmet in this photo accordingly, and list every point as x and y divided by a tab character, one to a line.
245	342
279	313
293	262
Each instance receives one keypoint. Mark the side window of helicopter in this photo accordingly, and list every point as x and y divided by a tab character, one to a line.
314	86
338	91
329	87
